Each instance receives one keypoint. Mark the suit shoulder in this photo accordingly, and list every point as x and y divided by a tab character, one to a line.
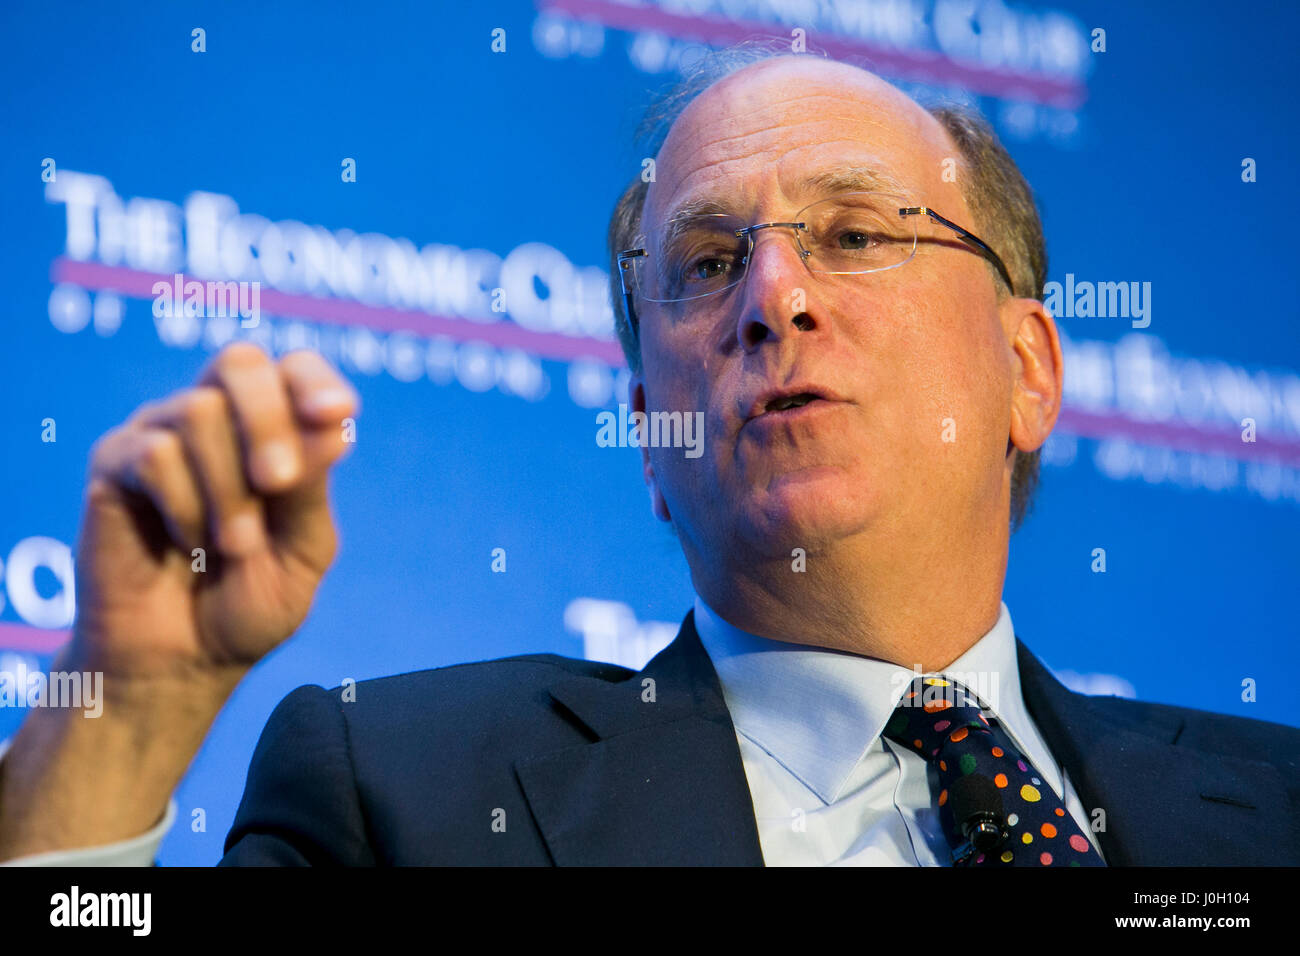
492	687
518	668
1227	734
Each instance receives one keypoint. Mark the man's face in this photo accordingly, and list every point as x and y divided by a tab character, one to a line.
905	357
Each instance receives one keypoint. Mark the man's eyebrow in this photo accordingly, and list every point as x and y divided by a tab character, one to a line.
851	178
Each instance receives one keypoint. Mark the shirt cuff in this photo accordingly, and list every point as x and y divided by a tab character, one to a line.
137	851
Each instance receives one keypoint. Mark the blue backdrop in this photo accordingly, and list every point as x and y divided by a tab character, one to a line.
1162	150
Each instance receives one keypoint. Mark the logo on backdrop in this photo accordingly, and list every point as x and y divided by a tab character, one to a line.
1031	65
374	304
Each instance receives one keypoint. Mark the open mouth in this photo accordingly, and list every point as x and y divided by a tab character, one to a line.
785	402
781	403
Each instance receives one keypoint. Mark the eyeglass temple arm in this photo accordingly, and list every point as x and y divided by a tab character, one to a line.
624	264
970	238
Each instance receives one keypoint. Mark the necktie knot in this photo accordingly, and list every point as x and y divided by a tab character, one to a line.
933	713
993	804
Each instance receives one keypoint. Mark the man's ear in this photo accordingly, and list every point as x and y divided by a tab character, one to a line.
1038	369
636	402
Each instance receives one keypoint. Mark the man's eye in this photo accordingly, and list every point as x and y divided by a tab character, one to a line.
855	239
711	268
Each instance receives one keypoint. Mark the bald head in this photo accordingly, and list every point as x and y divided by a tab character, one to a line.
789	114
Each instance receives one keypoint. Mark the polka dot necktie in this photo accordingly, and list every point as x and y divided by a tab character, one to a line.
978	767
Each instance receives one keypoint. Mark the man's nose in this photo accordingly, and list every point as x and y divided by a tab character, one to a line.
777	290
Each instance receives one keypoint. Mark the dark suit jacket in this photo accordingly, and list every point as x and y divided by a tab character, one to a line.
542	759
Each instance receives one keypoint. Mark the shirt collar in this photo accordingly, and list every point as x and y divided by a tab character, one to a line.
817	711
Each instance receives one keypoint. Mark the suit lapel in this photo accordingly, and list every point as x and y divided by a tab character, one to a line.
661	782
1164	805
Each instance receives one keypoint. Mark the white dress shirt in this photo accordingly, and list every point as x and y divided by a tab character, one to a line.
827	789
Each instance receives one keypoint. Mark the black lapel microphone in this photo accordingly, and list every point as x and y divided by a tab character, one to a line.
977	812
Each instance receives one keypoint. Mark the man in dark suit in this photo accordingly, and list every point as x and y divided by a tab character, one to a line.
846	287
582	770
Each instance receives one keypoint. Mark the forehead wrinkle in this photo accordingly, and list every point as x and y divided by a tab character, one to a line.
865	172
715	144
688	130
798	177
685	139
652	199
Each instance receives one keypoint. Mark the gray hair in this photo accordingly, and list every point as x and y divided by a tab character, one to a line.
1000	201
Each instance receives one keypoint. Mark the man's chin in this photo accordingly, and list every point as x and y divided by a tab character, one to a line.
806	511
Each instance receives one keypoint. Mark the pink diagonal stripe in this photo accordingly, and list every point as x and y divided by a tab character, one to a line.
34	640
1180	437
553	345
922	66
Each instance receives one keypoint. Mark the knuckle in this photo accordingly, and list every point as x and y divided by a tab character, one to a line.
108	447
159	451
202	406
312	370
303	360
238	357
100	489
